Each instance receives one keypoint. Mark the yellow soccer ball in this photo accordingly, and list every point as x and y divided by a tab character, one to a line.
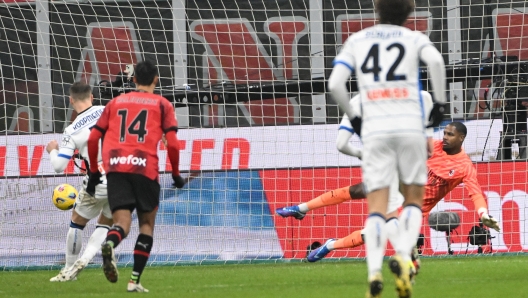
64	196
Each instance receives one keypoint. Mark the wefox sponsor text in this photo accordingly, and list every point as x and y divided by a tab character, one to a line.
127	160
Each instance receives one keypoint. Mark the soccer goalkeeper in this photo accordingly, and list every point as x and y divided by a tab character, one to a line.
448	166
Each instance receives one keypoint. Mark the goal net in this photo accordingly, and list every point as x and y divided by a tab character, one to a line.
257	130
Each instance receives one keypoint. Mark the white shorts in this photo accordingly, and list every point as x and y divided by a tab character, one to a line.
387	156
89	207
101	189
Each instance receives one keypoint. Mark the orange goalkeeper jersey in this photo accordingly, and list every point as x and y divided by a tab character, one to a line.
445	173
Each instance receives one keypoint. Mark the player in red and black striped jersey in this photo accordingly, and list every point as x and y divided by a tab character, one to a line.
132	126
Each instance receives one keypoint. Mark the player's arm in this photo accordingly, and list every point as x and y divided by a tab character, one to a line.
475	192
61	155
430	147
170	128
434	60
343	143
346	129
96	133
93	147
337	87
343	68
429	131
93	150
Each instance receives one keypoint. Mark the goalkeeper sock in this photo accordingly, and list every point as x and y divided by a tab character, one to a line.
95	241
391	228
376	242
73	243
353	240
332	197
115	235
409	230
141	255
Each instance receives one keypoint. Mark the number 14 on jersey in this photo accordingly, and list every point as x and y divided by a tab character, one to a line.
137	126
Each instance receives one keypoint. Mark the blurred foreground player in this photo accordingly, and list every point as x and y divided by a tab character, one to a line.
132	125
386	60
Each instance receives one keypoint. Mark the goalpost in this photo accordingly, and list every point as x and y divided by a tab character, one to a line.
247	79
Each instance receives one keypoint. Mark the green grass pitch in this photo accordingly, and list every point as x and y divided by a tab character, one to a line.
485	276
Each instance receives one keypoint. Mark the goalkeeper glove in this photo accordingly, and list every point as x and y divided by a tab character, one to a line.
489	221
93	180
179	182
437	115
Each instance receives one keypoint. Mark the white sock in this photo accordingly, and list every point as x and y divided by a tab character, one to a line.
376	242
391	228
73	245
95	241
303	208
330	245
410	225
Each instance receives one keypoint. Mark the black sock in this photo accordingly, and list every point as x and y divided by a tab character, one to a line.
115	235
141	255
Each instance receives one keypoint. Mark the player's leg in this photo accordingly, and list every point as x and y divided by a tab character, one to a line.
412	156
353	240
332	197
121	199
104	222
94	245
356	238
404	264
122	221
142	249
98	236
74	236
147	202
393	234
379	165
412	215
90	208
413	174
376	239
395	203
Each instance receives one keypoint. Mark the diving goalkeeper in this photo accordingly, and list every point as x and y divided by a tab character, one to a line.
448	166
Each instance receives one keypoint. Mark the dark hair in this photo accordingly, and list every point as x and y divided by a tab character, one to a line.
394	12
145	72
80	91
460	127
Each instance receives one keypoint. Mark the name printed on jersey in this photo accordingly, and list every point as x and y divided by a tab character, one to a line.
93	117
383	34
138	100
